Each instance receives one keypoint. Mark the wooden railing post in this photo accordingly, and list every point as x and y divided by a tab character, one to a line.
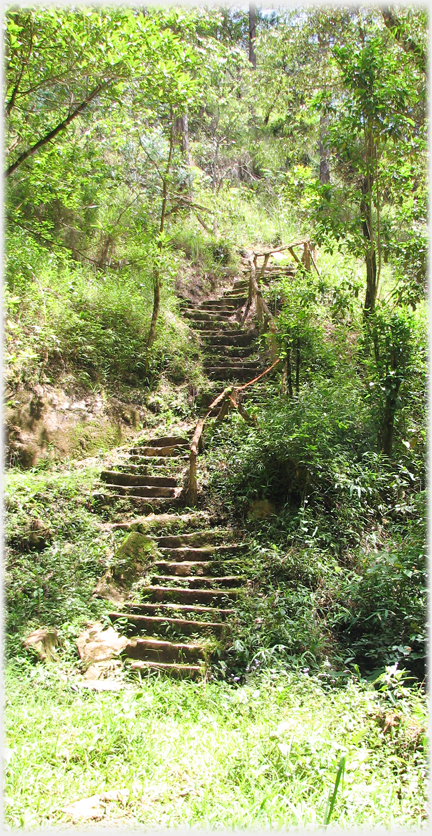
193	483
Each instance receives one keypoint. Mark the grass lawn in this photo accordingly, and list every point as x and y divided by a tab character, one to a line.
210	755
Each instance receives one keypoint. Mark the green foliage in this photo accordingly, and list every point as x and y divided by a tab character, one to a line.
52	587
276	743
63	317
398	373
380	608
347	558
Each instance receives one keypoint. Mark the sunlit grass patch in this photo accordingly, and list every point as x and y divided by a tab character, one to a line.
262	755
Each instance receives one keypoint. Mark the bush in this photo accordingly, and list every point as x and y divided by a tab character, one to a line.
380	609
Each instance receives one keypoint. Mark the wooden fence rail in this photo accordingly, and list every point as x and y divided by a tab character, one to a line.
229	397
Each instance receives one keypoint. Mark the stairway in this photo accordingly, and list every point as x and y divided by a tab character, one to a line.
146	477
190	588
230	349
186	602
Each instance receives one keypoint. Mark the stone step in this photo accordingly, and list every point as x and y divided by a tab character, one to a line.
194	539
157	452
227	304
229	352
152	523
218	360
167	441
216	325
158	650
186	569
240	291
189	553
113	477
176	594
242	363
243	338
174	608
139	504
146	468
157	461
197	313
140	491
199	582
172	670
155	623
238	373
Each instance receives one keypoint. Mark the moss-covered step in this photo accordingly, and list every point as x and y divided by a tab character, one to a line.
114	477
242	338
176	609
155	523
199	568
199	581
156	624
142	491
189	552
157	650
193	539
158	452
170	594
234	373
165	441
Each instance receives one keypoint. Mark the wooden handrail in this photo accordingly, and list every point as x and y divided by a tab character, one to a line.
229	394
283	247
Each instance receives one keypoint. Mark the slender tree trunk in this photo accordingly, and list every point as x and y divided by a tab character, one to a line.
252	34
60	127
297	377
392	385
156	273
371	265
289	373
323	42
182	132
323	149
386	433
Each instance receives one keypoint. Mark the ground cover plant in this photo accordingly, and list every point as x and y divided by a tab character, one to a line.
264	754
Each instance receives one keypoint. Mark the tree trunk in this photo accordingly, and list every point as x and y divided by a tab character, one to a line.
297	379
156	274
156	306
289	373
371	265
252	34
386	432
53	133
323	149
404	40
181	130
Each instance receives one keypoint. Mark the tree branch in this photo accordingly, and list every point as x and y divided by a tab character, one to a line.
395	26
51	134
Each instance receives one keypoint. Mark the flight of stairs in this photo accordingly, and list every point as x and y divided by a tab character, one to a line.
182	617
230	352
146	477
183	609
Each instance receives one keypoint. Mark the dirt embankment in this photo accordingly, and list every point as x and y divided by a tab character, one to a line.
47	422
